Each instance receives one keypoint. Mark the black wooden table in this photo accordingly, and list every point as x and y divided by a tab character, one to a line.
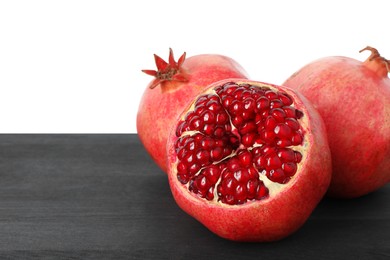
101	197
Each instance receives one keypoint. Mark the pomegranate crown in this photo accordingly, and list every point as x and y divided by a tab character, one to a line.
376	62
167	71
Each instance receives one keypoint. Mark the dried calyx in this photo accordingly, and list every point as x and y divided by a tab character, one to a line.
167	71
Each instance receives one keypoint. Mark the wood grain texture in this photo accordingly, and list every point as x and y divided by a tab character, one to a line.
99	196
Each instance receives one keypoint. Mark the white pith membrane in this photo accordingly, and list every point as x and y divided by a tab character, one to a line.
272	187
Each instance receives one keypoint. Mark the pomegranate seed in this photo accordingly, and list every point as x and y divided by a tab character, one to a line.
249	104
278	114
247	127
237	121
262	191
298	157
270	94
216	154
297	139
262	103
286	155
277	175
233	164
203	157
292	123
208	117
219	132
286	99
290	111
248	139
181	168
245	158
194	168
289	168
273	162
242	176
270	123
222	118
212	173
276	103
283	131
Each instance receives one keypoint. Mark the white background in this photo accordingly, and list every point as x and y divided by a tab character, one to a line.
75	66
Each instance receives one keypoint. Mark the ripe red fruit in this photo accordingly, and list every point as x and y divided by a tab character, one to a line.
353	99
174	86
249	160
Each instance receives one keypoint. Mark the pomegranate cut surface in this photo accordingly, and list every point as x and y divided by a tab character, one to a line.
238	143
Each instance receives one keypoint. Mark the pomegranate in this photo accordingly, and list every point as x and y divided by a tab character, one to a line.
353	99
249	160
175	85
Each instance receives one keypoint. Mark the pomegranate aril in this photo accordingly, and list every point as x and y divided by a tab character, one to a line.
286	155
298	157
235	107
297	139
252	186
242	175
277	175
298	114
193	169
216	154
247	127
183	178
249	104
245	158
240	194
227	100
207	143
260	162
210	194
212	173
270	123
222	118
286	99
181	168
203	157
237	121
208	117
262	191
181	153
278	114
219	132
208	129
276	103
248	139
262	103
213	105
267	136
283	131
270	94
273	162
289	168
292	123
283	143
233	164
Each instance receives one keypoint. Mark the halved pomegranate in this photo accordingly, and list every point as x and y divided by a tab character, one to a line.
249	160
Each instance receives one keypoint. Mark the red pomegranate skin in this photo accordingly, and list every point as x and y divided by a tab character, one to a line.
353	98
159	107
277	216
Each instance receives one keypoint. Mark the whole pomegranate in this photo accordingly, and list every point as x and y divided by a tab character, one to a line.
174	86
249	160
353	99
